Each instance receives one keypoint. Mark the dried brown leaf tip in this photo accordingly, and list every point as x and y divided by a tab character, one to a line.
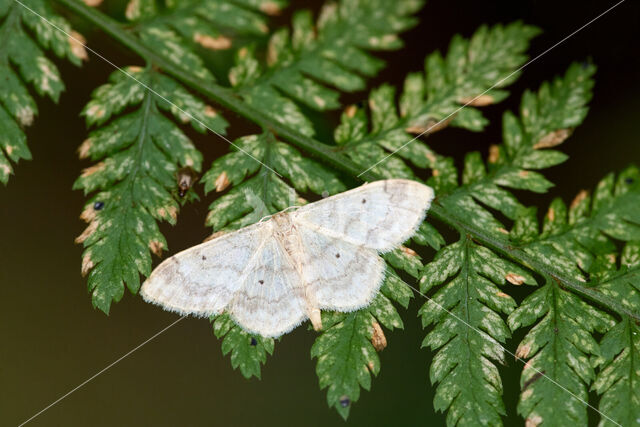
351	110
551	214
222	182
523	351
209	111
378	339
91	228
554	138
430	126
494	153
93	169
212	43
87	264
93	3
579	198
88	214
533	421
85	148
270	8
77	43
515	279
477	101
156	247
408	251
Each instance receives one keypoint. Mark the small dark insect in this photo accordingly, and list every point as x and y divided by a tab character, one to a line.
185	178
344	401
261	282
337	255
98	206
629	180
204	258
364	201
254	342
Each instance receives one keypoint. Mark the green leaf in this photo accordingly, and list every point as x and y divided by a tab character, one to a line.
347	347
23	64
257	191
467	330
248	351
619	378
470	67
134	184
557	351
304	61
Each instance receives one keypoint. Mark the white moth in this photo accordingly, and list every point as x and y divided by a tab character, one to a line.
272	275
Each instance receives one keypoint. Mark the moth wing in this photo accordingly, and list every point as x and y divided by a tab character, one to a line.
340	275
380	215
271	300
202	280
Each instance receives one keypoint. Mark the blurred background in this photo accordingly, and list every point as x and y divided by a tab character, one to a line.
51	339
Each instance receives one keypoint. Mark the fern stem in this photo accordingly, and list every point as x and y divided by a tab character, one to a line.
228	99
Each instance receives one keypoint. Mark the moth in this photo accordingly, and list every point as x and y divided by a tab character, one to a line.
272	275
185	178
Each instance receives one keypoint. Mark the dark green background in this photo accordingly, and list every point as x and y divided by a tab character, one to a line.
51	339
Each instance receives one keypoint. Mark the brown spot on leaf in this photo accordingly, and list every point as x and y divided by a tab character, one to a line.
515	279
502	295
156	247
209	111
503	230
535	377
135	68
579	198
87	264
222	182
429	127
477	101
85	148
371	366
173	212
91	228
552	139
435	172
611	258
95	111
523	173
77	43
9	149
161	212
212	43
93	3
378	339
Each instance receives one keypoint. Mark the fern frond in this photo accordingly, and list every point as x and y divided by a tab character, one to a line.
256	170
176	29
580	242
467	329
23	64
248	351
301	63
470	67
132	185
347	347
